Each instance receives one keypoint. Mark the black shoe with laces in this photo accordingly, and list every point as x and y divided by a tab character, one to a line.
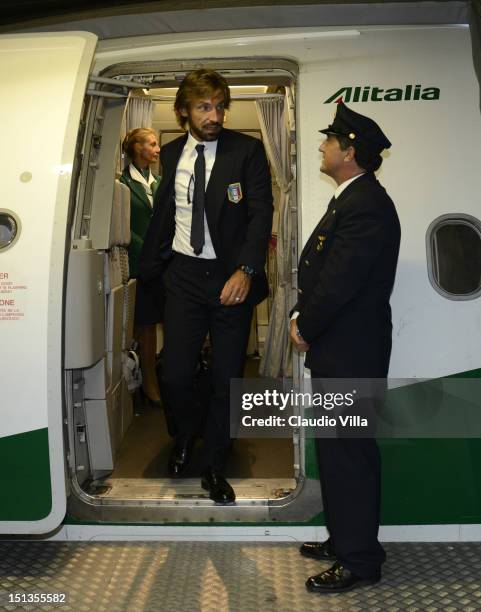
321	551
338	579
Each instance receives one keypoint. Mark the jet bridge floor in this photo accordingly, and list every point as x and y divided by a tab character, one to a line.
231	576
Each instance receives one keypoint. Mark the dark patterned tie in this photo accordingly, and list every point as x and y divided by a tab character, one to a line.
197	232
312	238
330	207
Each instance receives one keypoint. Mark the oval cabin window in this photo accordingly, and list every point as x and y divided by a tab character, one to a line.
454	256
8	229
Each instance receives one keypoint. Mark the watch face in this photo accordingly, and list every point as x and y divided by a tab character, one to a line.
247	270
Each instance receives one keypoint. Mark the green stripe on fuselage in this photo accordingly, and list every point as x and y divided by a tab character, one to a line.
25	477
426	481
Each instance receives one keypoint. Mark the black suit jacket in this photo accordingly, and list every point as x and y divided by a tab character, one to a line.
346	275
240	231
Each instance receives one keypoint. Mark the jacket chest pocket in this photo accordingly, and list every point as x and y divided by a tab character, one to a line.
309	264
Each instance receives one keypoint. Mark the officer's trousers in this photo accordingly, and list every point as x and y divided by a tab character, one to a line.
350	475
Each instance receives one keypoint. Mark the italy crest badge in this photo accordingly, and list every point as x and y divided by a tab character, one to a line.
234	193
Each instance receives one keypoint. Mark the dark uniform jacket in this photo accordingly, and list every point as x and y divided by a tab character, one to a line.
140	216
239	230
346	275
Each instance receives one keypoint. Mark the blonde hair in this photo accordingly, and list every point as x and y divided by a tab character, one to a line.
137	135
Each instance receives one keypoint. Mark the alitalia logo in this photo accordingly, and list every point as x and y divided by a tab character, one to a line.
368	93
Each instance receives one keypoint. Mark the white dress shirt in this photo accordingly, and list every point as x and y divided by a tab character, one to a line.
337	193
184	196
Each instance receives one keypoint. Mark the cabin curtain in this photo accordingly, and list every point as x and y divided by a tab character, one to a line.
273	119
139	112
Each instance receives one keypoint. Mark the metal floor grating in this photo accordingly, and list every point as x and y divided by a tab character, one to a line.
231	576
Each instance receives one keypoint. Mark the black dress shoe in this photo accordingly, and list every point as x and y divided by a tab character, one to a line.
179	458
322	551
219	489
338	579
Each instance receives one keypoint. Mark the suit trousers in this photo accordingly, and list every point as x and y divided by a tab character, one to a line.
350	475
193	309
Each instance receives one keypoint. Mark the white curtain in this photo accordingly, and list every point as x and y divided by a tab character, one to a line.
139	112
273	118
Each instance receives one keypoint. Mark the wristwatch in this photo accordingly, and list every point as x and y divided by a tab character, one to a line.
250	272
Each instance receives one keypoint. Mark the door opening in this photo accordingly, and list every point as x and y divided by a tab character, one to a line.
120	447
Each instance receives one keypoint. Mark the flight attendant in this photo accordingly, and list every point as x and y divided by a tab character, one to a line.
142	148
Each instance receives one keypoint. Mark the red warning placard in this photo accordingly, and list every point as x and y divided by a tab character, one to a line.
10	298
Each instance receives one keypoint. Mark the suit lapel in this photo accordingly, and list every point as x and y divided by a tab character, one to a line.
169	162
220	176
317	228
337	204
139	191
154	186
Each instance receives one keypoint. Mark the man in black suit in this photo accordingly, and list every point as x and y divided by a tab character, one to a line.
207	243
343	321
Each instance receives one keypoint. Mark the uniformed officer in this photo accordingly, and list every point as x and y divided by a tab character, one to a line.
342	320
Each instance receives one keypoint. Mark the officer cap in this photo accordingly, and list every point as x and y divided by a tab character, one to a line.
364	133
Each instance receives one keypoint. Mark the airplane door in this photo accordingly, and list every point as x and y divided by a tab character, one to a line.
44	78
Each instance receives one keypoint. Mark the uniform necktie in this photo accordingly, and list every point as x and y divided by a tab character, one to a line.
311	240
197	232
330	206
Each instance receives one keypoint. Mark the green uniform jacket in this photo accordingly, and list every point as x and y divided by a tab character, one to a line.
140	215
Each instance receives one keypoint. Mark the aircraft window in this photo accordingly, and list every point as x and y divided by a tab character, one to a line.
454	256
8	229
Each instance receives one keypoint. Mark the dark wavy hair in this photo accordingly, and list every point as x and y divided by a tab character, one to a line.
370	162
199	84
